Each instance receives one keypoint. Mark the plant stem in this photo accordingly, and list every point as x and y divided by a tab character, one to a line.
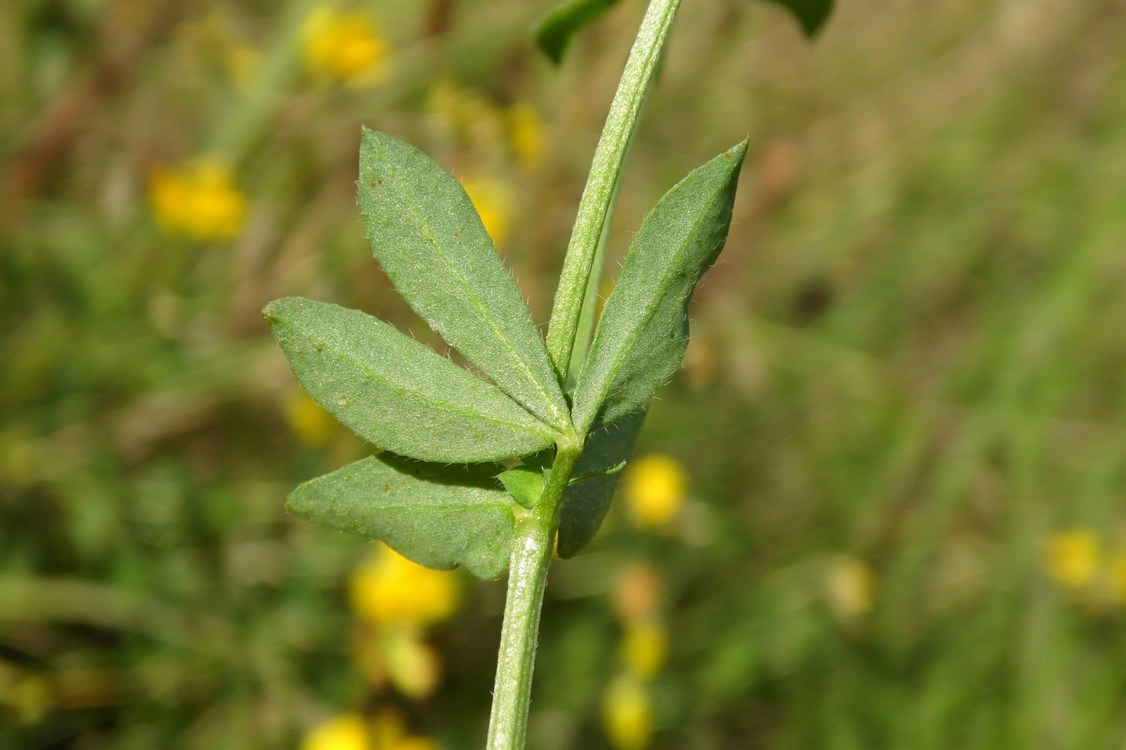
585	329
532	549
594	207
533	543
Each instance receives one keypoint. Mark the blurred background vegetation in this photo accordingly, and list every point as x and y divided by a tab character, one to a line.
881	506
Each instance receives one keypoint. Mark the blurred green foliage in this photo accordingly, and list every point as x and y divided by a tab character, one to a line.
906	380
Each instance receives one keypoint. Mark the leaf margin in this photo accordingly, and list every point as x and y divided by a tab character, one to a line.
294	322
477	546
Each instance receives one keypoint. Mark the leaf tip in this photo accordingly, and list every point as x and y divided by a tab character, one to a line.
276	310
291	507
269	312
739	151
811	15
372	138
548	43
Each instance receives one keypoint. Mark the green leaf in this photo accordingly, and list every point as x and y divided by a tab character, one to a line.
554	30
429	240
585	503
811	14
438	516
524	483
643	331
397	393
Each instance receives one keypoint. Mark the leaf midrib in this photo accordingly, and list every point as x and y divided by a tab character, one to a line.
414	504
420	394
467	290
651	310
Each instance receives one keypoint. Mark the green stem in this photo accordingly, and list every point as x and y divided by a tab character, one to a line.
585	330
533	542
532	549
594	207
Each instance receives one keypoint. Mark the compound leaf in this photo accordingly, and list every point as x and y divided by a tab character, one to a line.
397	393
438	516
429	240
585	503
643	330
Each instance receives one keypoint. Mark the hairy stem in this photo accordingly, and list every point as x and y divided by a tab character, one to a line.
595	205
585	328
533	544
532	549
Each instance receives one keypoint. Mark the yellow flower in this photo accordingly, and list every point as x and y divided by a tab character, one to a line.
199	199
345	46
1073	557
627	713
493	201
654	491
468	115
526	130
390	733
412	666
390	589
445	101
645	647
387	731
851	587
309	422
343	732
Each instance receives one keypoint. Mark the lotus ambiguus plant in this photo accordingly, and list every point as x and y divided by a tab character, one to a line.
495	473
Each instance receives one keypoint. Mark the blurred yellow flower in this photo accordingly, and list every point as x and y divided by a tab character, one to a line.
390	733
309	422
526	130
390	589
411	665
493	200
637	591
387	731
343	732
477	125
1073	557
654	491
462	109
627	713
198	199
851	588
345	46
445	102
645	647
